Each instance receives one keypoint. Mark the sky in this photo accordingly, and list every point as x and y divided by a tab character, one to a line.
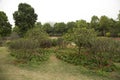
64	10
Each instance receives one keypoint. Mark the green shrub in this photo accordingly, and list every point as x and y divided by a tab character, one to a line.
107	45
27	50
54	42
23	44
32	47
36	34
30	55
98	61
45	43
82	37
39	36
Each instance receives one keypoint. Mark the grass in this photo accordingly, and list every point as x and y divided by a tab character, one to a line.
53	69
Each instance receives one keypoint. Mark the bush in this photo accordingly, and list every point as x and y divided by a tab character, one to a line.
36	34
45	43
98	61
39	36
30	55
14	36
82	37
32	47
23	44
54	42
107	45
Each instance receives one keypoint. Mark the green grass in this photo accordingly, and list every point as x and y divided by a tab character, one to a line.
53	69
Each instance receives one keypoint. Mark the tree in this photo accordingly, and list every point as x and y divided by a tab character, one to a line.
112	29
104	25
82	23
82	37
60	28
71	25
119	16
47	27
94	22
39	37
116	29
36	34
25	18
5	26
38	24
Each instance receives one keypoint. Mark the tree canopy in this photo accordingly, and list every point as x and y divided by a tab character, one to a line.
60	28
82	23
94	22
25	18
47	27
5	26
104	24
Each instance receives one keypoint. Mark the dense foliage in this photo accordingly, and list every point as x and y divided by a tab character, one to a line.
108	47
98	53
82	37
32	47
25	18
5	26
47	27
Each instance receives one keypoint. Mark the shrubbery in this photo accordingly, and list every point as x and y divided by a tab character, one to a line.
32	55
91	61
107	46
101	54
32	47
39	36
23	44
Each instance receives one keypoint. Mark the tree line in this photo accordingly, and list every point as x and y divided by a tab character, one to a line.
25	19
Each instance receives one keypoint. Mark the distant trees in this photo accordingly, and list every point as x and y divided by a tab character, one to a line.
82	23
5	26
104	25
94	22
71	25
60	28
48	28
119	16
25	18
38	24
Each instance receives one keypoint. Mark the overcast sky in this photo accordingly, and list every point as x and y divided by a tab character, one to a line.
64	10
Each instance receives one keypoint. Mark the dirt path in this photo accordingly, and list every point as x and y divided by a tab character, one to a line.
53	69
